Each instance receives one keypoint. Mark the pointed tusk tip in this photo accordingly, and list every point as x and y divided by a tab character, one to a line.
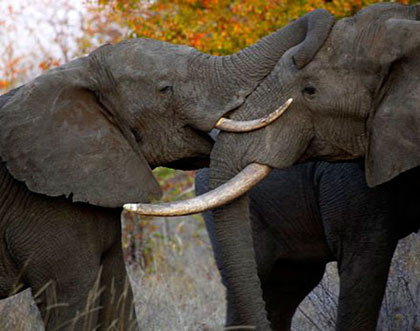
131	207
227	192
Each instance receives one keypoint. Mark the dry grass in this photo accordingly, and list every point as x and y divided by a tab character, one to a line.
181	290
401	305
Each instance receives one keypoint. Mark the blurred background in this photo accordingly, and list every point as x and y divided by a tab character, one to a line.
176	283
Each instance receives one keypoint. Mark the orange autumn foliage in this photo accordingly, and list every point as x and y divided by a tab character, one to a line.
216	26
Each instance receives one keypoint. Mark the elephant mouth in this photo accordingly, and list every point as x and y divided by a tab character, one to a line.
192	152
190	163
229	191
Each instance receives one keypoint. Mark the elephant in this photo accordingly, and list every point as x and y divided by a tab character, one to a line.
357	97
81	140
313	213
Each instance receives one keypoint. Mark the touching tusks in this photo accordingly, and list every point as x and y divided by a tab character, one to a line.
229	125
232	189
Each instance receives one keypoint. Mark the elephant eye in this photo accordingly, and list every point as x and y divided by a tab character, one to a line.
309	90
166	89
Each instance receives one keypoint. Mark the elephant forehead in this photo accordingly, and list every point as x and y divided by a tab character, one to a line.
340	42
352	39
349	50
147	55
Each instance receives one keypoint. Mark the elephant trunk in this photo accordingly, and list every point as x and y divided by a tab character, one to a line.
252	64
226	82
280	144
233	233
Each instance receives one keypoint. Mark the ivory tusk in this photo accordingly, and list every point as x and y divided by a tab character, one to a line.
226	124
231	190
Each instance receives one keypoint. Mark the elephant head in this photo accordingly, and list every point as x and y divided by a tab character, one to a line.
358	97
94	128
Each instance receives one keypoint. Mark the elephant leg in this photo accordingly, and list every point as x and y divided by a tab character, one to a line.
66	298
58	248
363	278
60	311
117	297
285	287
361	231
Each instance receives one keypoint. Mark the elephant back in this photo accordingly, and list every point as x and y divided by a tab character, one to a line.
5	97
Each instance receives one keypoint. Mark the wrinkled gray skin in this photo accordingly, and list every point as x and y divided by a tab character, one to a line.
313	213
358	97
80	140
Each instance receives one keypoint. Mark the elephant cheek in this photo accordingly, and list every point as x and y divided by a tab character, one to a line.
281	144
277	145
340	138
324	150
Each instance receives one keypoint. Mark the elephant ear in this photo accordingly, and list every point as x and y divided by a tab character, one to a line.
394	137
55	137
